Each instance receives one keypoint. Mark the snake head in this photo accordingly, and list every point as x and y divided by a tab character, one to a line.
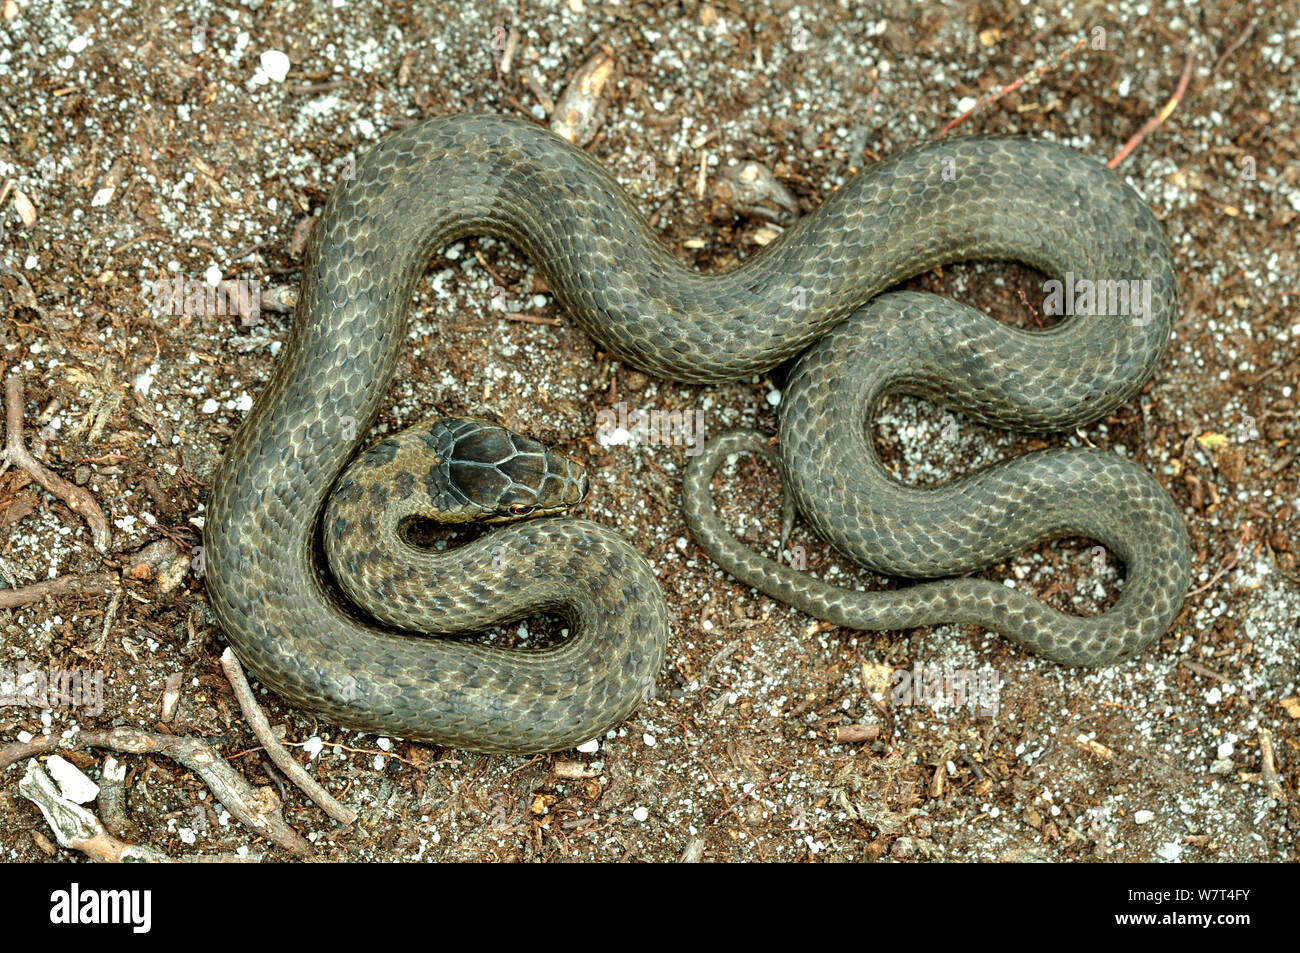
494	475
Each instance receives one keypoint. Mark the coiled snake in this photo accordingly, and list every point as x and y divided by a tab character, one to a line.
426	185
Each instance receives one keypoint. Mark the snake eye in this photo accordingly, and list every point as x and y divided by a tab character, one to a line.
521	509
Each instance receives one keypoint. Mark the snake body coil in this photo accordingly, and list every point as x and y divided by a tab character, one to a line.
480	175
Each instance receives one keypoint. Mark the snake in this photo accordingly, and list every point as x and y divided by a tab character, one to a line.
819	288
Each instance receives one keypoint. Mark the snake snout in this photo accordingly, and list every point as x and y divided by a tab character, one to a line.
565	483
510	476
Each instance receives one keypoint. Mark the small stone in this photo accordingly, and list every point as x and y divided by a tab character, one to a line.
275	64
1170	851
73	785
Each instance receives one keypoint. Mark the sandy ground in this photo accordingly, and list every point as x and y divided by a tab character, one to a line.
142	142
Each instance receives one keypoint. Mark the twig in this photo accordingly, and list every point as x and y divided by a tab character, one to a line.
95	582
478	253
722	793
372	752
112	798
1227	565
113	605
856	733
1159	117
254	857
871	104
747	794
530	318
254	810
1268	765
78	499
271	745
76	827
1201	670
26	749
1033	76
1236	44
694	851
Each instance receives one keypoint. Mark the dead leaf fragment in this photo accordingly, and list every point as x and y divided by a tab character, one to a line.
581	107
25	209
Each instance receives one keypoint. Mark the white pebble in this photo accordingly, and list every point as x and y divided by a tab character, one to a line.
275	65
1170	851
73	785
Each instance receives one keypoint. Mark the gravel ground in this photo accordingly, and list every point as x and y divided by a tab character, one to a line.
143	141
